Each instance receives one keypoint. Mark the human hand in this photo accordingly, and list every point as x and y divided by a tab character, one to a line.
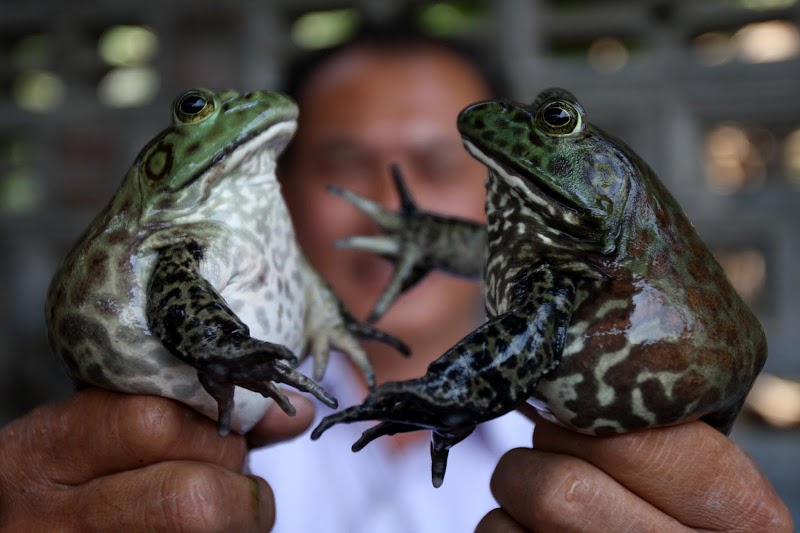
681	478
103	460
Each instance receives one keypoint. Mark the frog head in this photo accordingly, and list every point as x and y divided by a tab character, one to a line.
575	177
212	136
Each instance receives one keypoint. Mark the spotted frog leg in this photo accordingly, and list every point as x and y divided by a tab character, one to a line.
487	374
416	242
196	325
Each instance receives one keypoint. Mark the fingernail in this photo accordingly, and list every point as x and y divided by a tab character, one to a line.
263	503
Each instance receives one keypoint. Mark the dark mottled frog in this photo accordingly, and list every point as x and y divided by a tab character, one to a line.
190	284
605	309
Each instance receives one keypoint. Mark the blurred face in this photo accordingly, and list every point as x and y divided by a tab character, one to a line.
359	113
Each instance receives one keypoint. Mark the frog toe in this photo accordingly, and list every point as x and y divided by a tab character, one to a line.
258	375
384	428
364	331
345	416
443	438
406	274
378	244
346	340
223	394
383	217
284	373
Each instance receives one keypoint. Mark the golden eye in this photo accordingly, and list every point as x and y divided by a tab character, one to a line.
193	106
559	117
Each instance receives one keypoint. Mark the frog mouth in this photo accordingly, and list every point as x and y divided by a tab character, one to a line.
267	142
555	203
253	155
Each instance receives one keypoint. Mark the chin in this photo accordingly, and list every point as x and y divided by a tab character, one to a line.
435	306
439	306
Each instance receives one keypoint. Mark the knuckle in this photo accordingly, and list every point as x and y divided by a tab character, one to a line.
565	489
155	428
149	423
549	489
195	499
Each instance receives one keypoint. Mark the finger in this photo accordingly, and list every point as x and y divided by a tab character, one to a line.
553	492
691	472
498	521
174	496
277	426
96	433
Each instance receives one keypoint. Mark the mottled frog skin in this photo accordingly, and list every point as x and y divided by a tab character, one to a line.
190	284
605	309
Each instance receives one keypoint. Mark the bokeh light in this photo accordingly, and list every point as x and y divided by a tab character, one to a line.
19	192
734	160
38	91
321	29
607	55
125	45
768	42
714	48
128	86
448	19
764	5
776	400
746	269
791	157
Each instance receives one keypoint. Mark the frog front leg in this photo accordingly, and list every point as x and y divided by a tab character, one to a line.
487	374
196	325
416	242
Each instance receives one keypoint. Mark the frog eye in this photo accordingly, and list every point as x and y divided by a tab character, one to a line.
559	118
193	106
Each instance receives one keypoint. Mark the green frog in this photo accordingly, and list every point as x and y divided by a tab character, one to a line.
605	309
190	284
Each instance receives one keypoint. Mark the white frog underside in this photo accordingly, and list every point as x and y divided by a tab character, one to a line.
256	266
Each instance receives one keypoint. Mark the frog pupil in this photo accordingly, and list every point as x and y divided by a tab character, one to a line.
556	116
191	105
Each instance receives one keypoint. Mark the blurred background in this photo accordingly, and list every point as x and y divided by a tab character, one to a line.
707	91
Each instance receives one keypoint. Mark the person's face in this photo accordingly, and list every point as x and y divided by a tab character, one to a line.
359	114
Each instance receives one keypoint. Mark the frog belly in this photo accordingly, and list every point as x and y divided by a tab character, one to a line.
130	359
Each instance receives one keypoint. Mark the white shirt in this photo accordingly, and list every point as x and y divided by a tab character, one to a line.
324	487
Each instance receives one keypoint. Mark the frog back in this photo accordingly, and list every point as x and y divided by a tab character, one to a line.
664	338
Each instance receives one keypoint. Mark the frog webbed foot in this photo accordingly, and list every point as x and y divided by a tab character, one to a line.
344	336
401	410
402	243
257	369
441	442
